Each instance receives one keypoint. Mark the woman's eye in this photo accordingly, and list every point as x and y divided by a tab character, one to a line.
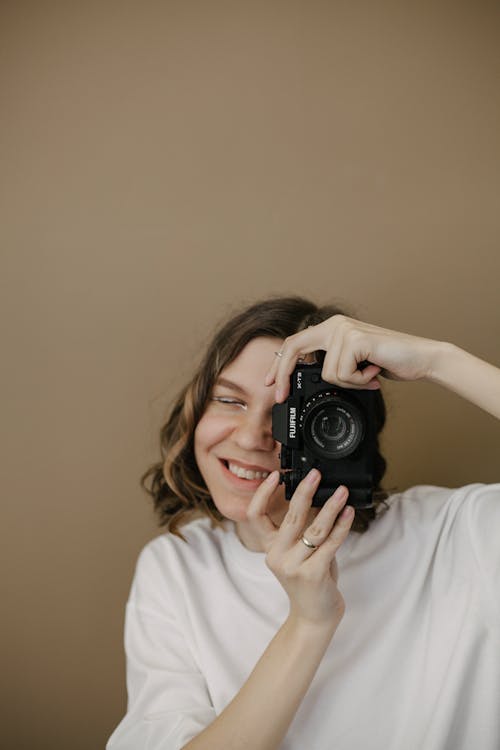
230	401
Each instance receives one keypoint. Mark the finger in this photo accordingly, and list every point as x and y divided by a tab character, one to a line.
296	516
257	509
337	536
332	357
271	373
358	379
321	528
373	385
303	357
341	366
304	342
348	367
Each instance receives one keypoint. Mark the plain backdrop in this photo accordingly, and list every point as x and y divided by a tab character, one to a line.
162	164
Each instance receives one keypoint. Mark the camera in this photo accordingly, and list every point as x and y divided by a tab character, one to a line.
333	429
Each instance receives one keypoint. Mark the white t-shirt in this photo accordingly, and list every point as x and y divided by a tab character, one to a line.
414	664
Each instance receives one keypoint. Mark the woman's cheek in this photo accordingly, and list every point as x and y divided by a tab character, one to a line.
211	429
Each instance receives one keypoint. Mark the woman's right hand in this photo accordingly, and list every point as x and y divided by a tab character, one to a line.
309	576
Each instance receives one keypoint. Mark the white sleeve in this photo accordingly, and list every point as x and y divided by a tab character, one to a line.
483	520
168	700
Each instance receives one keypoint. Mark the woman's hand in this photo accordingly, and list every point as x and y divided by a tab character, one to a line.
347	343
309	576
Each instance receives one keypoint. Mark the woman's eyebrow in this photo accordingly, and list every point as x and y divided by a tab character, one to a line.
232	385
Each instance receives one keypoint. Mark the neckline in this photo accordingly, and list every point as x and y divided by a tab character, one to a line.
252	562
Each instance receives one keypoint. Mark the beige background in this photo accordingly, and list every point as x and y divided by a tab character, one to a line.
162	163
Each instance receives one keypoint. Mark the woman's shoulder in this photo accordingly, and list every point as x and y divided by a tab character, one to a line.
428	497
166	562
198	540
423	506
430	516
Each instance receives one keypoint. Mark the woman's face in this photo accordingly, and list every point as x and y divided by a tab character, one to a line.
234	435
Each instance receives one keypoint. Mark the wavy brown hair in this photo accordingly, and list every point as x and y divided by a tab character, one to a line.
175	483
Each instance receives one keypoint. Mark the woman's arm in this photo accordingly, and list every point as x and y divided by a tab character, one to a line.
468	376
259	715
391	354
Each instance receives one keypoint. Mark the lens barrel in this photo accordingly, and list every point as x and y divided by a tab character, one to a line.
332	426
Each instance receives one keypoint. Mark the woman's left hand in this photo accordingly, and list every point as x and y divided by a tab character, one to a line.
348	342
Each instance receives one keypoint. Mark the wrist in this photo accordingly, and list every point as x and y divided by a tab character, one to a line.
468	376
308	629
441	361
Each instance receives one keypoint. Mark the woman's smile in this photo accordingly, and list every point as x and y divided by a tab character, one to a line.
241	477
234	445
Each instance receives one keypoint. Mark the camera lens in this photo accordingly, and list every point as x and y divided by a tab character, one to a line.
333	427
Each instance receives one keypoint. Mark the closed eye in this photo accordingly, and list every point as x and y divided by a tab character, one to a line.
223	400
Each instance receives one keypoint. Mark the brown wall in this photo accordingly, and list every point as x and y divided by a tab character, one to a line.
163	162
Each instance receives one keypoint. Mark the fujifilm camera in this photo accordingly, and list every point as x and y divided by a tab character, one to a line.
333	429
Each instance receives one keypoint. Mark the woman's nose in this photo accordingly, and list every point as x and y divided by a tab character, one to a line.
254	433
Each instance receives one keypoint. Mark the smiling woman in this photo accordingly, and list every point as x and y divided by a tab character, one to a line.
179	489
233	442
237	631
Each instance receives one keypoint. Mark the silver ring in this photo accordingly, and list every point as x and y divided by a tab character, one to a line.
308	543
279	354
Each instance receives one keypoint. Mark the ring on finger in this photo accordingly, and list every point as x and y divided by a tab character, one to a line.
279	354
309	544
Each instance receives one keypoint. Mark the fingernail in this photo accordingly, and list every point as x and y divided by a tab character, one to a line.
278	395
341	491
313	476
347	511
272	476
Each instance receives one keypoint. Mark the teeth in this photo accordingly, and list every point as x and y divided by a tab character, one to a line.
246	473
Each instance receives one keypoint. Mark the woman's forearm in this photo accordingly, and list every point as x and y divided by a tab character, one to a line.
468	376
259	715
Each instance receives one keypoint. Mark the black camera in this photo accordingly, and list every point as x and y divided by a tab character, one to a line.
333	429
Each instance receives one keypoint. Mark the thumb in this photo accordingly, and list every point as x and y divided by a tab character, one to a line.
257	510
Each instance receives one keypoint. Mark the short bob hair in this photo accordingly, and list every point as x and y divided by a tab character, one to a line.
175	483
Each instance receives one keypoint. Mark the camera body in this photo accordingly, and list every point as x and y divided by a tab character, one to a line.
333	429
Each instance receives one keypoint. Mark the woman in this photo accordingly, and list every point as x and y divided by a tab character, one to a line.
257	622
